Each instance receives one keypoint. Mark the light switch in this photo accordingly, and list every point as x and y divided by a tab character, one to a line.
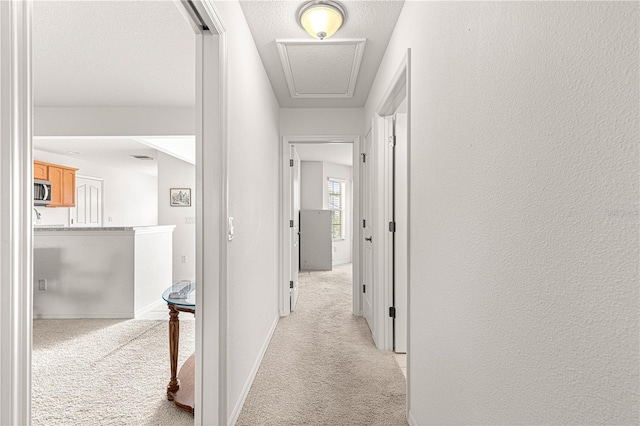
230	228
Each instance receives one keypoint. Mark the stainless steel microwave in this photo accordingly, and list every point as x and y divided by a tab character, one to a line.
41	192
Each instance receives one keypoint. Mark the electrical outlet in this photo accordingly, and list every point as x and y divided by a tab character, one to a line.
184	259
190	220
109	219
42	284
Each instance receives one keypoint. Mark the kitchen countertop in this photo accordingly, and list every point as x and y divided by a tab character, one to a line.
103	229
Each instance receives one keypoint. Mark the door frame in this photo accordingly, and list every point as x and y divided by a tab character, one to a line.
285	208
16	223
398	89
368	157
396	92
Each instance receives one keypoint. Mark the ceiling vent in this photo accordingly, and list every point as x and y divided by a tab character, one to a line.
142	157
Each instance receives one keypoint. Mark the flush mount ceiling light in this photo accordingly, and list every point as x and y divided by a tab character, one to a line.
321	18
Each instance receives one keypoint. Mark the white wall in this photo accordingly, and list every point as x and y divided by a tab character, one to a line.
130	199
524	293
175	173
325	122
90	274
321	121
113	121
100	274
311	184
341	248
314	195
254	186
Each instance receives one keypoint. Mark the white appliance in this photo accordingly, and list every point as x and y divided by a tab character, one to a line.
315	240
41	192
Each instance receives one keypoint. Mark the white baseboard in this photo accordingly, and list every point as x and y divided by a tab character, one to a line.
155	306
252	375
81	316
410	419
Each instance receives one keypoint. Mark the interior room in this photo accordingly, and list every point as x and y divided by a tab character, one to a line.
114	144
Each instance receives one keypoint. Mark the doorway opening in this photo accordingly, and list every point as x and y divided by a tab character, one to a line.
319	204
111	241
16	216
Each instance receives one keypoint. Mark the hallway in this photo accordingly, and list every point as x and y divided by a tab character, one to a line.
322	367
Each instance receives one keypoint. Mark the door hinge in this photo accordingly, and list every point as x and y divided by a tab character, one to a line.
291	163
364	157
291	223
392	227
364	288
290	284
392	312
364	223
392	140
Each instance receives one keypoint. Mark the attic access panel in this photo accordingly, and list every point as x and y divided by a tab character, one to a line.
321	68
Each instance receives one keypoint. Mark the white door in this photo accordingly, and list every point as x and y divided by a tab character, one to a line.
401	202
295	229
88	209
366	189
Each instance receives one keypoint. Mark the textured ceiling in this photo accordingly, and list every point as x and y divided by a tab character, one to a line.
112	53
142	53
301	61
321	67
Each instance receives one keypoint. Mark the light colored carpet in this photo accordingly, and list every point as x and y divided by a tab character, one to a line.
322	367
105	372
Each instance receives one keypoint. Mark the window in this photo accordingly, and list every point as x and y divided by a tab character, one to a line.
336	205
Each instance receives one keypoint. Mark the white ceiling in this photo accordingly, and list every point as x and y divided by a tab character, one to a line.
112	53
142	53
321	67
111	152
117	151
338	153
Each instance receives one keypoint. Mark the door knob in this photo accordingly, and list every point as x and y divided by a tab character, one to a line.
368	239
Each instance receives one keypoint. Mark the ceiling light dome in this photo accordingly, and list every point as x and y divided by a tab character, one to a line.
321	18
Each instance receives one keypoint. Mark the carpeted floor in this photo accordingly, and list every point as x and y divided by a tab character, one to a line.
322	367
105	372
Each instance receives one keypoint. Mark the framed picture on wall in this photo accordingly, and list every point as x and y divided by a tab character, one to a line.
180	197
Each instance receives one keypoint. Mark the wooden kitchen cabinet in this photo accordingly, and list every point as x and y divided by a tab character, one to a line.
63	183
39	170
